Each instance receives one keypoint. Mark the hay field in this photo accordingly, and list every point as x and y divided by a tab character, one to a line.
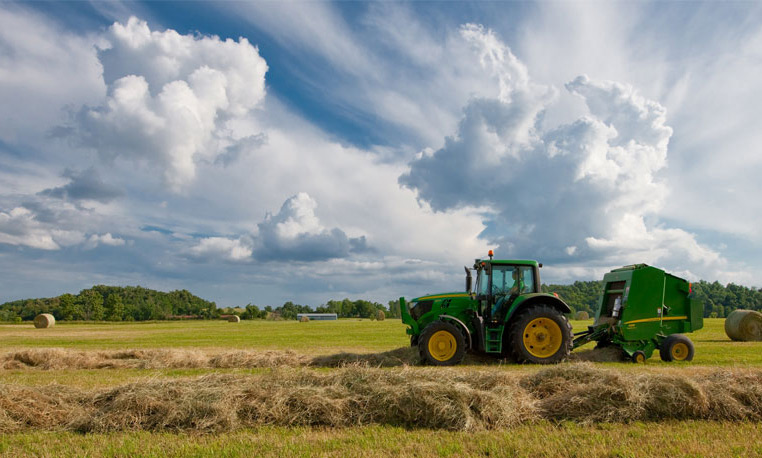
338	388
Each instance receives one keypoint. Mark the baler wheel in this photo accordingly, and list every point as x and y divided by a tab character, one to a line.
676	347
639	357
442	344
540	335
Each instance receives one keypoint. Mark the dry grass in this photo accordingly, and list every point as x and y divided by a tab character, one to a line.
409	397
58	359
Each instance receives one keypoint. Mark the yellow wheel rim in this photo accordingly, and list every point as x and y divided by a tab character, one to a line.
442	345
679	351
640	358
542	337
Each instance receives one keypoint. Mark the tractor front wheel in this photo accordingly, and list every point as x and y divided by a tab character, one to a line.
676	347
540	335
442	344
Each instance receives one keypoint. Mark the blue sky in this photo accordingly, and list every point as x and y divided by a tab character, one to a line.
264	152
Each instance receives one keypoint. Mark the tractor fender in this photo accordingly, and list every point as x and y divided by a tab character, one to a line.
461	324
537	298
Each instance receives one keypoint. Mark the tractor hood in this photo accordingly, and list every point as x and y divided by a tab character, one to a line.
430	297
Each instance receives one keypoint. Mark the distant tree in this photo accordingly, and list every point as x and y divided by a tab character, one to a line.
92	304
114	308
252	312
70	309
394	309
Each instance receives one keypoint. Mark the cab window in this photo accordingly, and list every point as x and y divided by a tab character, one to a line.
526	275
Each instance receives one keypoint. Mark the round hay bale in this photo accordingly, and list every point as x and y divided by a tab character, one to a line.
304	319
380	315
582	315
44	320
744	325
234	319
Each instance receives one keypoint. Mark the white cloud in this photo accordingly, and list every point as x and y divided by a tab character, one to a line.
19	227
296	217
295	233
170	96
221	248
103	239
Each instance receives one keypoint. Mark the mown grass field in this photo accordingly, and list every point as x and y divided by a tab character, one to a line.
673	438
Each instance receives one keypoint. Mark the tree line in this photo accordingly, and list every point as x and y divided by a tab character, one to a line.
343	309
135	303
112	303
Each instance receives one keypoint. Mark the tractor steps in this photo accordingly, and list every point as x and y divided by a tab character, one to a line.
494	340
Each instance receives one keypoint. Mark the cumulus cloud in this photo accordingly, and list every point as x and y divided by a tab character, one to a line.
84	185
221	248
170	96
103	239
295	233
578	191
19	227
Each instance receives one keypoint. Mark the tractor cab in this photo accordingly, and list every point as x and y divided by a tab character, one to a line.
500	283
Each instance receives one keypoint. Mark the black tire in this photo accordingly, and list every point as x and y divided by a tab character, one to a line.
519	323
639	357
677	347
413	341
453	351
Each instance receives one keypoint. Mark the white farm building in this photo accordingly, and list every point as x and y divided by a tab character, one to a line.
317	316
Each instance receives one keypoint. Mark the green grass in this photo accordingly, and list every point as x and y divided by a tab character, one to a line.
689	438
315	337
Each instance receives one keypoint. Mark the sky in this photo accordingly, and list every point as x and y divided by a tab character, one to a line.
272	151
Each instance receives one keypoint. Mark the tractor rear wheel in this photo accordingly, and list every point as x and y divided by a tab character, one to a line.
540	335
676	347
442	344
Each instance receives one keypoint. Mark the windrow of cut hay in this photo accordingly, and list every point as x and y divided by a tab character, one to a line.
436	398
58	359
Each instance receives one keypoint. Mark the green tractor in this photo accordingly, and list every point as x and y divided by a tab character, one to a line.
506	314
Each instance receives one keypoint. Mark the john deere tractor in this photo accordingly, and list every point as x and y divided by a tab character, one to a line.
503	314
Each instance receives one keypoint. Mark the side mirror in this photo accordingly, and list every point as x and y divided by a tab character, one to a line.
468	279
